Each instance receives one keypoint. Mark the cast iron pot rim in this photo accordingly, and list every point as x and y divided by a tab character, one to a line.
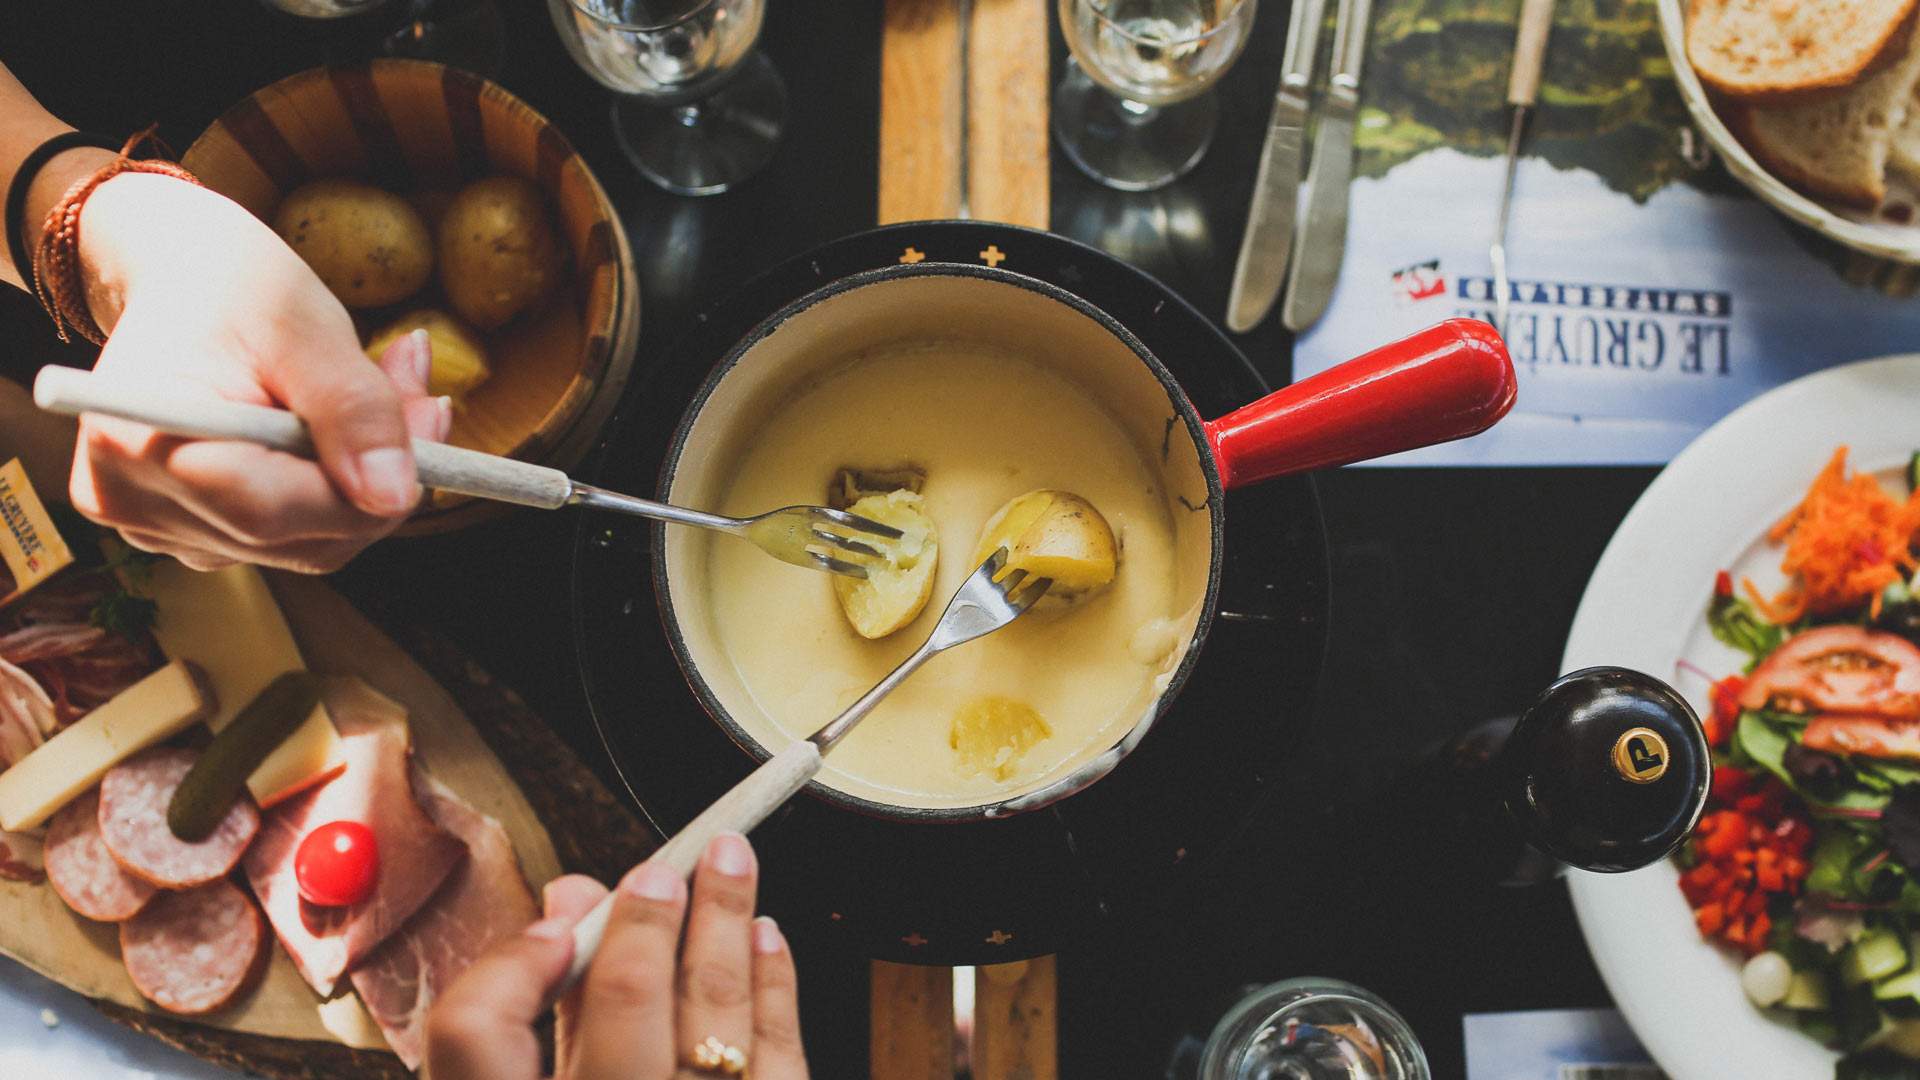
1088	772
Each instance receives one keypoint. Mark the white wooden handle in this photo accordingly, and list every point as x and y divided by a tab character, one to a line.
1529	51
204	416
739	810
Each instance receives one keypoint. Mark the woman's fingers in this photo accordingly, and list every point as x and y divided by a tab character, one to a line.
569	897
716	977
482	1027
777	1050
623	1024
353	409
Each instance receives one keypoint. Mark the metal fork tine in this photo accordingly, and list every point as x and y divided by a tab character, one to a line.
839	566
855	522
1030	594
834	539
1011	582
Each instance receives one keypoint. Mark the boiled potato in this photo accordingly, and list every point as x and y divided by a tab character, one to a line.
893	592
459	356
368	246
498	255
991	734
1057	535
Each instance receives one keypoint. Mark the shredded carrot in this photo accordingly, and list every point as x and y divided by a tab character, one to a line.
1846	541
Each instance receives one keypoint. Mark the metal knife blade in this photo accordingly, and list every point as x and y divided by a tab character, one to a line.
1323	235
1264	249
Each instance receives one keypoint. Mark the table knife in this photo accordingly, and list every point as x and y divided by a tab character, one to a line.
1262	266
1323	235
1523	88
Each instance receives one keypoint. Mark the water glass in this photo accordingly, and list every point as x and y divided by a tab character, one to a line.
1312	1029
1134	111
699	109
459	33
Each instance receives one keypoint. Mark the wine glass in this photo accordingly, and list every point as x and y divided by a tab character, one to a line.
459	33
1312	1029
1133	111
700	109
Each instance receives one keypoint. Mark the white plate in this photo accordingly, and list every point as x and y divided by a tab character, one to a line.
1857	230
1645	608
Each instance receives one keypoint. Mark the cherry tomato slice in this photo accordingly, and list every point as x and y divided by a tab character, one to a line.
337	864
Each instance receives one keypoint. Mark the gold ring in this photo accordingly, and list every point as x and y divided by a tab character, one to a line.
712	1055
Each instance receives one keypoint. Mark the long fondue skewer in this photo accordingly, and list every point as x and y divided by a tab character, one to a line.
980	606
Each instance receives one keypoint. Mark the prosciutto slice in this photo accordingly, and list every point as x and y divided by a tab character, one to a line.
483	900
375	788
26	714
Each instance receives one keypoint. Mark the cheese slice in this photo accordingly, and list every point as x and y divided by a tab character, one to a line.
59	770
226	622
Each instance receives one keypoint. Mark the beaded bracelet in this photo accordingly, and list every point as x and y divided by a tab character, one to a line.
57	277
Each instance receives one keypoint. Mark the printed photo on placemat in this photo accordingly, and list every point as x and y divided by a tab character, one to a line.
1650	292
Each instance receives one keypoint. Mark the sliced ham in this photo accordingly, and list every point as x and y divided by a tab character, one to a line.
134	796
483	900
190	952
84	872
375	788
1867	736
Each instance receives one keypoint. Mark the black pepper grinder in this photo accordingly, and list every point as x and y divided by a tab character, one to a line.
1607	771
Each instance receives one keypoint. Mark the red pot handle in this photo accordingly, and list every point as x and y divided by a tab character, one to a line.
1449	381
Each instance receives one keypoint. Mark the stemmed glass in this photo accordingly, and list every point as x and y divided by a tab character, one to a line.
699	108
1313	1029
1133	111
460	33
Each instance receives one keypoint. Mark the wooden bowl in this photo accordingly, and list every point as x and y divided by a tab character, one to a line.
422	130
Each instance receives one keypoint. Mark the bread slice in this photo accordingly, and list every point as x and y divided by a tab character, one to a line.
1835	147
1777	50
1904	154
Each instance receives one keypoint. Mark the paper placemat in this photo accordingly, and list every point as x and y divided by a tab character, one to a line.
1555	1044
1650	296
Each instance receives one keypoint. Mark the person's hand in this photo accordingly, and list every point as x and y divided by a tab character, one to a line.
193	290
647	1000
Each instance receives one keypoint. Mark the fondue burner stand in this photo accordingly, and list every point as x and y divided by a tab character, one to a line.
991	891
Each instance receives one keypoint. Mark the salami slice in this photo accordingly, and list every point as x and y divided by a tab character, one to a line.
191	951
133	821
83	872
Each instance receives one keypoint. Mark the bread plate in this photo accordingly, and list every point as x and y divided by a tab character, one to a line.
1856	229
1645	607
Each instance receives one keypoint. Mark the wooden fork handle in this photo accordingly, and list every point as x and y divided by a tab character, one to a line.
207	416
739	810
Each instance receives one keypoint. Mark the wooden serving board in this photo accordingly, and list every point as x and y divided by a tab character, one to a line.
461	737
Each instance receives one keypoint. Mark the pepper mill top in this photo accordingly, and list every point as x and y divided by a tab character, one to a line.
1607	771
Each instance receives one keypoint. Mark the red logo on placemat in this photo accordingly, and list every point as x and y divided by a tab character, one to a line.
1420	281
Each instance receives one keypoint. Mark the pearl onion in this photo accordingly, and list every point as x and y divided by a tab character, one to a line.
1765	979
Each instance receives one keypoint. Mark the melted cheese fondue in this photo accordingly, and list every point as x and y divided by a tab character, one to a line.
985	426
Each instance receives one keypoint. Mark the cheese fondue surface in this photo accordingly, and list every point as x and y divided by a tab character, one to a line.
985	427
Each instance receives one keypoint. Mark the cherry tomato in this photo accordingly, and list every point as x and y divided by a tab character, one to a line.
337	864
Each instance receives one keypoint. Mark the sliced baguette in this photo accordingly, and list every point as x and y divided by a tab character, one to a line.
1835	147
1904	154
1779	50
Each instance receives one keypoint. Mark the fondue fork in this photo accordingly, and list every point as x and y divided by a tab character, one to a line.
801	535
981	606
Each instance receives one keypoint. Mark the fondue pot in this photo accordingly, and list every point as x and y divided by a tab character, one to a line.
1014	876
1447	382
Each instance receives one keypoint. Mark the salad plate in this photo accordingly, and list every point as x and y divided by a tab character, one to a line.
1646	608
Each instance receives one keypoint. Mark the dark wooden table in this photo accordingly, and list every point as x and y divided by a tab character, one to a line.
1453	589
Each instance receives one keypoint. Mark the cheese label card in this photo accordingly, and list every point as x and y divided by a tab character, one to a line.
31	550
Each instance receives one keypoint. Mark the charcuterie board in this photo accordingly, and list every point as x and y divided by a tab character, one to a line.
460	736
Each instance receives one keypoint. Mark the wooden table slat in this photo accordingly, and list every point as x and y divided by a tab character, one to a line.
1007	98
920	96
1015	1026
912	1029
